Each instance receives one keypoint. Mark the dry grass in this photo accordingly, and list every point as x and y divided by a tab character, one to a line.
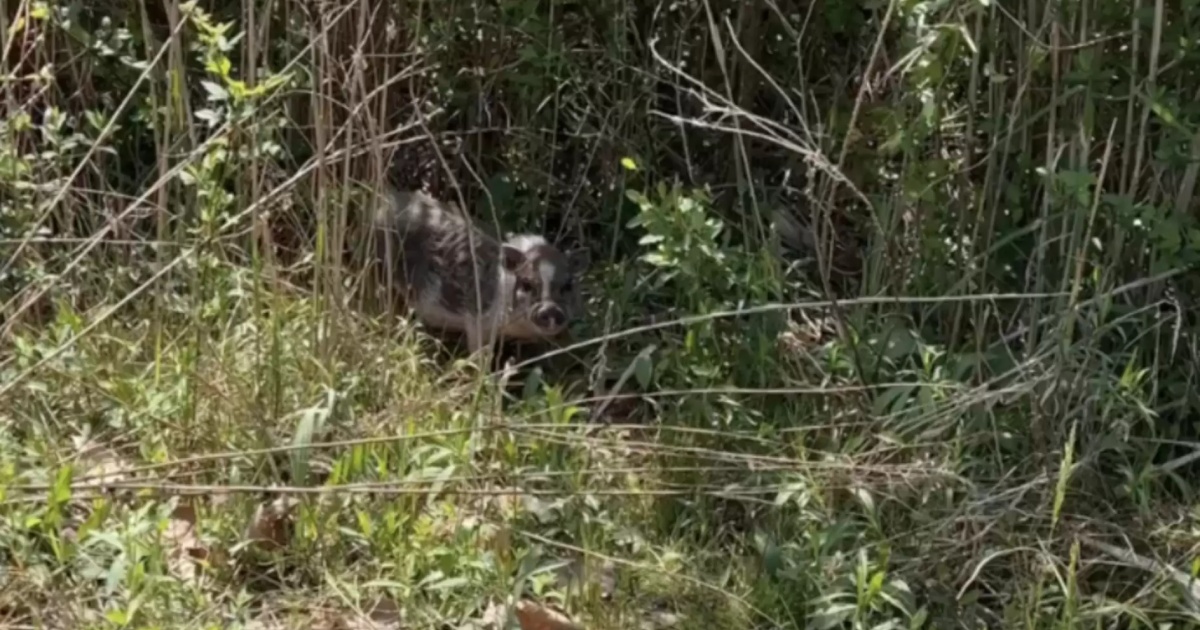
917	354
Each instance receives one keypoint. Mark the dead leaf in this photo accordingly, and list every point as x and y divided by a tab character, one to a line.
270	528
507	502
108	470
534	616
99	463
496	537
495	616
184	549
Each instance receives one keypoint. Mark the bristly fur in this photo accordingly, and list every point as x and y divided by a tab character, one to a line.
456	277
436	258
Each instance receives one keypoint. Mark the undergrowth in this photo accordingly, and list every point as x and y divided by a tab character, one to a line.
888	325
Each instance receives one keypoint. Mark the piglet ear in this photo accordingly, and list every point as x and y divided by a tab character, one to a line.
511	257
579	260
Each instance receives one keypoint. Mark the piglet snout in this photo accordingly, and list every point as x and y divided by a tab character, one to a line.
550	317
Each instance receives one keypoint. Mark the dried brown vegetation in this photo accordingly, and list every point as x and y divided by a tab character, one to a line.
889	319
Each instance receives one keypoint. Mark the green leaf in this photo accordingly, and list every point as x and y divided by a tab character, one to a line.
651	239
312	421
448	583
643	370
1064	475
116	573
215	92
772	560
918	620
1166	115
833	616
532	384
876	584
210	117
220	66
61	492
865	498
888	398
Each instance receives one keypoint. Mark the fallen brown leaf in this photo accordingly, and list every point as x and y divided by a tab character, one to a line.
534	616
497	537
184	549
494	617
100	464
270	528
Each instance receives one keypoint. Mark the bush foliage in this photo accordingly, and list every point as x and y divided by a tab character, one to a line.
888	322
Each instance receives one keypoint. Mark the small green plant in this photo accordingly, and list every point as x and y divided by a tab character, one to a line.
195	431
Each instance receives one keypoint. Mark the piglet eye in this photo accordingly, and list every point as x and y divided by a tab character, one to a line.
524	286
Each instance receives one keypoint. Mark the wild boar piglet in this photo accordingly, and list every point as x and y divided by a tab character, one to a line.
458	278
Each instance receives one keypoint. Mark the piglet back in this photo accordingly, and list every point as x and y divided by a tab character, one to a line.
434	253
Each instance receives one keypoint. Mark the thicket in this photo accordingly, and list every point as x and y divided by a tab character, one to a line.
889	320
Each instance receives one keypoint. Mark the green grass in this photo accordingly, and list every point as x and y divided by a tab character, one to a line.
411	484
404	477
974	408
